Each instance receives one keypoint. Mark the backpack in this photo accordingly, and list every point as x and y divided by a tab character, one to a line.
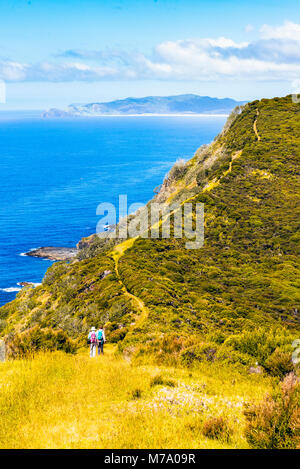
100	335
93	338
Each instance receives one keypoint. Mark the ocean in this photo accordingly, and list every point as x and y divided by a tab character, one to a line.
55	172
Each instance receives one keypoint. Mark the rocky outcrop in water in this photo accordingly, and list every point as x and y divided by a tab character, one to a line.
54	253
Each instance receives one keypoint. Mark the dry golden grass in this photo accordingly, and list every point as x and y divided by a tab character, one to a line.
57	400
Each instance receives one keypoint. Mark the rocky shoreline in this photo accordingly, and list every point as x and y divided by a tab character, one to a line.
54	253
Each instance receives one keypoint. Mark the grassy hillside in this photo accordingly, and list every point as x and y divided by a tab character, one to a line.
61	401
233	300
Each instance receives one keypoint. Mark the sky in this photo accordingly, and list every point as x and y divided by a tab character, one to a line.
57	52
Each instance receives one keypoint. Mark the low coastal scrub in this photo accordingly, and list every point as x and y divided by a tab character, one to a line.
177	171
267	351
274	423
35	340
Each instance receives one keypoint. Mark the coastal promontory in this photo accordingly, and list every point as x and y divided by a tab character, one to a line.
53	253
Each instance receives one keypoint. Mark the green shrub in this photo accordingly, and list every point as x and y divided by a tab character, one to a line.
199	352
217	428
279	363
229	355
117	335
261	344
173	343
37	339
177	171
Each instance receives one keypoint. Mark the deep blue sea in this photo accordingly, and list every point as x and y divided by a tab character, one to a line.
54	173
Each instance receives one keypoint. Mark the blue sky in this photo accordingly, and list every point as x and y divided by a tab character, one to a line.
53	53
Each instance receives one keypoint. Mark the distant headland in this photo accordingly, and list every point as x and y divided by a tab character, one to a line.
182	105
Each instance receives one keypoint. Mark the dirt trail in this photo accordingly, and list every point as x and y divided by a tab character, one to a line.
116	254
255	127
215	182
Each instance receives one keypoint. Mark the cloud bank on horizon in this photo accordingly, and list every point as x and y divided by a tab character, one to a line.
274	55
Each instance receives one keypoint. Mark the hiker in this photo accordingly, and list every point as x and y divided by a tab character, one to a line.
100	340
92	340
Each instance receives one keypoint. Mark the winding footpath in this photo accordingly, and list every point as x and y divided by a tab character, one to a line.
116	254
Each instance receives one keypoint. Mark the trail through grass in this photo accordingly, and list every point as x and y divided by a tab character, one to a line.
116	254
64	401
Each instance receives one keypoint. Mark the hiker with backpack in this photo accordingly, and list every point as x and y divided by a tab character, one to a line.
100	340
92	340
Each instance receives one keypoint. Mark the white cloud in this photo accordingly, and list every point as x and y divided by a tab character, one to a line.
275	55
287	30
12	71
204	60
